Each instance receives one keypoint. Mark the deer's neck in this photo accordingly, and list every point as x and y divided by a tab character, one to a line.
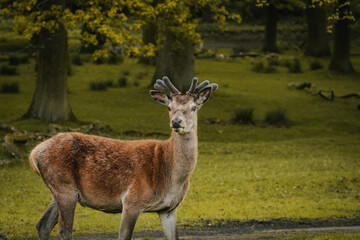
185	149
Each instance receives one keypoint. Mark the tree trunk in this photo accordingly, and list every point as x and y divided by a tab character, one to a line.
149	36
50	102
340	60
271	29
177	64
317	43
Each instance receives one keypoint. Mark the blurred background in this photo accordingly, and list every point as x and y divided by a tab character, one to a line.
278	141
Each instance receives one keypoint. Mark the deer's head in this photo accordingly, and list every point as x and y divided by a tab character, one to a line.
182	108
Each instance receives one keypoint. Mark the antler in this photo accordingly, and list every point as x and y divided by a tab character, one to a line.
166	86
196	89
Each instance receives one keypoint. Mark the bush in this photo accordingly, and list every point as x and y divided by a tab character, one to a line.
315	65
276	118
258	67
141	75
109	83
76	60
16	60
114	59
243	116
122	82
295	66
99	61
6	70
10	87
99	85
126	72
273	61
269	69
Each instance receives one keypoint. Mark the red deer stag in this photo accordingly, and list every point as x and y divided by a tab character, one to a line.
127	177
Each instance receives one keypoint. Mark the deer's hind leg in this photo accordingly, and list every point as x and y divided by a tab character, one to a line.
48	221
168	222
66	201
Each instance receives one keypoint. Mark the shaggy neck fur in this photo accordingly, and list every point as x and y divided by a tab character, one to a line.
185	149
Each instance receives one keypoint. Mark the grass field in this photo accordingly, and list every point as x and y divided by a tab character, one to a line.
307	170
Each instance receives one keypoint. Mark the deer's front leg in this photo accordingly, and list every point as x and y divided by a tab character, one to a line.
168	222
128	219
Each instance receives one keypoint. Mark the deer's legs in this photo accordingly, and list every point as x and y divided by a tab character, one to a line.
66	202
168	222
129	217
48	221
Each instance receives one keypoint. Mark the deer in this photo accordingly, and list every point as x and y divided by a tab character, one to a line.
117	176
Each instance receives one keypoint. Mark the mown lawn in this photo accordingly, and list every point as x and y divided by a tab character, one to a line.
309	169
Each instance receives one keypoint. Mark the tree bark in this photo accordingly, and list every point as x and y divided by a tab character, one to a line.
177	64
50	102
149	35
340	60
270	44
317	43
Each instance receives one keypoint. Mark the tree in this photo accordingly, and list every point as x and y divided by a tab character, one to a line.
175	22
340	60
317	43
50	20
270	43
149	36
272	7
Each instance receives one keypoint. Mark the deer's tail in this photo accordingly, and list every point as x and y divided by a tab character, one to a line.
33	159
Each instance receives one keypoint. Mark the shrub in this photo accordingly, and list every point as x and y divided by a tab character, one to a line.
114	59
261	68
6	70
141	75
315	65
295	66
243	116
276	118
109	83
100	61
69	69
122	82
269	69
273	61
10	87
76	60
17	60
14	60
258	67
98	86
126	72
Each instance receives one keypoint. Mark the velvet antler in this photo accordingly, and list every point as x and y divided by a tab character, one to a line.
196	89
164	85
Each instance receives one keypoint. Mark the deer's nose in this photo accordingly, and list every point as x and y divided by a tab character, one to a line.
175	123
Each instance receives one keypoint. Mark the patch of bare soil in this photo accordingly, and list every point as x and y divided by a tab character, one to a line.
248	230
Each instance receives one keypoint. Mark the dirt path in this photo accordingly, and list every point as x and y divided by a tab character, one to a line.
249	230
229	234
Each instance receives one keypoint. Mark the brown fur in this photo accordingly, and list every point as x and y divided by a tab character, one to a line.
101	169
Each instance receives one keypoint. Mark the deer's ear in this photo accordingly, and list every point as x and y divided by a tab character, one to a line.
160	97
204	95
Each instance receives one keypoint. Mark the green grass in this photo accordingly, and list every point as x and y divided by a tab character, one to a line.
244	172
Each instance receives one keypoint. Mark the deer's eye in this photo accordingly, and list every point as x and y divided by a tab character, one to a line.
193	108
169	108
